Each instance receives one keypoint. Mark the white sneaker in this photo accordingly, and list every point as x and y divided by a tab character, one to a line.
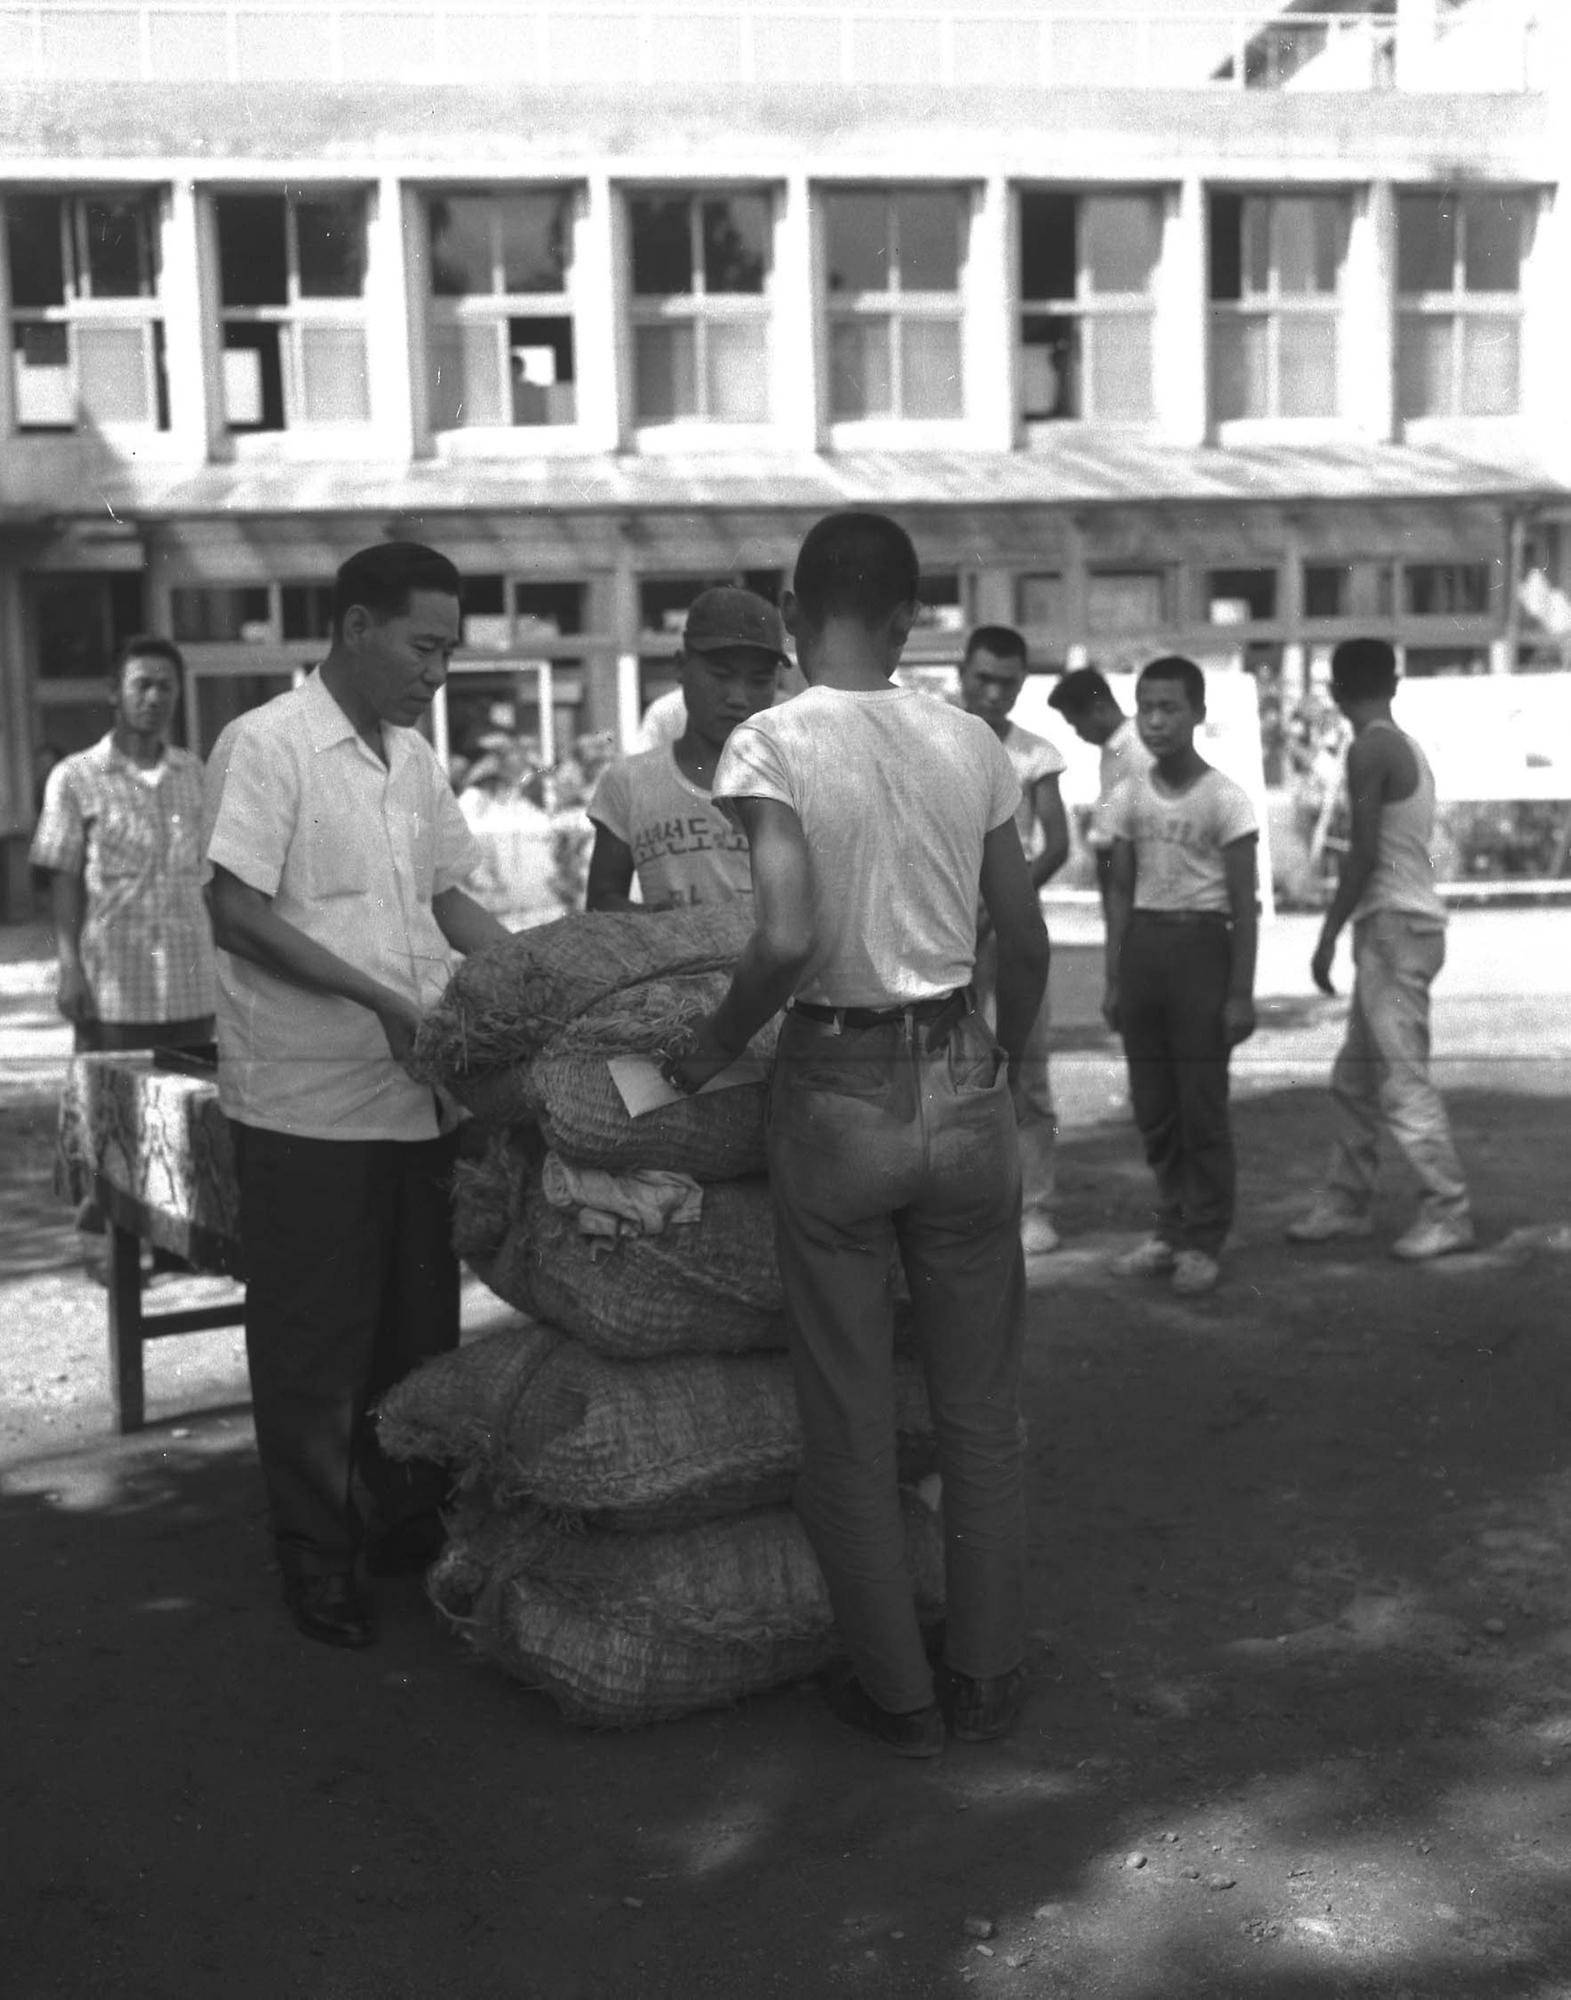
1038	1237
1325	1220
1151	1259
1432	1236
1194	1272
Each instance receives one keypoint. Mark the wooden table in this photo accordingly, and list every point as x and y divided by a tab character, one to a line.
154	1149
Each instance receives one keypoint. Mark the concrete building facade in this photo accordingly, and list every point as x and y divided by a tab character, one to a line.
1232	334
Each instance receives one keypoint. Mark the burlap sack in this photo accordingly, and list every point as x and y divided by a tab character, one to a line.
530	1414
716	1137
623	1629
710	1287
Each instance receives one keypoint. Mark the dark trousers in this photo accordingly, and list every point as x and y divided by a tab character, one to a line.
1172	987
351	1281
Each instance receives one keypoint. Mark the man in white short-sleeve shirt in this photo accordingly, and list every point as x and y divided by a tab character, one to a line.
652	813
875	818
991	676
1086	702
1181	936
337	853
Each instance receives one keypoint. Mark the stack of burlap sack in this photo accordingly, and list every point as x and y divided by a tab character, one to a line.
625	1459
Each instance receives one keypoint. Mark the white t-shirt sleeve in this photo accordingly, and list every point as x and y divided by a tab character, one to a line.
611	802
253	802
752	767
1235	813
1004	794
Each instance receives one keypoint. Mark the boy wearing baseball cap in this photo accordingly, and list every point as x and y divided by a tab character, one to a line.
652	812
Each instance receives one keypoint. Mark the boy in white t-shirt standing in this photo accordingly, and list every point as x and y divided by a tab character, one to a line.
991	677
652	812
891	1123
1181	936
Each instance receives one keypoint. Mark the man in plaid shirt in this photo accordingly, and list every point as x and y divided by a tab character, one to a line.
120	835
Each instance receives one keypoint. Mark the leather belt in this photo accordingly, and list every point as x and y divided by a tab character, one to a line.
946	1008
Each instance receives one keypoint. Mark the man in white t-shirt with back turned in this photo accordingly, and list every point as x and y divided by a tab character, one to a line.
992	674
652	812
891	1125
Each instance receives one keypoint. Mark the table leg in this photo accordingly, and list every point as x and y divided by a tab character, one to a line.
125	1328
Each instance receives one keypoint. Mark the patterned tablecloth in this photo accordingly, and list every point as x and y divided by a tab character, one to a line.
161	1147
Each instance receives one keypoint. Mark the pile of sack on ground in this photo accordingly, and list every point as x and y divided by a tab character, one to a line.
625	1457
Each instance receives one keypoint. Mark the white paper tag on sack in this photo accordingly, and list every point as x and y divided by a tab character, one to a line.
643	1089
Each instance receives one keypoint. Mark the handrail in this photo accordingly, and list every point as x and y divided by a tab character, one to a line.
740	42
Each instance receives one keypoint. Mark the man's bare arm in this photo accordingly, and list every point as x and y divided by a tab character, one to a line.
1240	861
1369	775
246	924
774	956
68	907
1047	802
1120	891
1009	896
462	921
610	873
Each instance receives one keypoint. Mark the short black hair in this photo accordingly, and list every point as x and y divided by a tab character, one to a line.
1002	641
1176	667
855	565
385	576
148	646
1081	691
1364	668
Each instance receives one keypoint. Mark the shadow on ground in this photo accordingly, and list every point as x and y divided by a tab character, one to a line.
1302	1643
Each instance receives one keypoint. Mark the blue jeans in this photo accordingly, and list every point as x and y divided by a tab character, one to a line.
877	1142
1172	987
1381	1076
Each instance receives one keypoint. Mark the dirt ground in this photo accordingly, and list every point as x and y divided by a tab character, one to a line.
1300	1710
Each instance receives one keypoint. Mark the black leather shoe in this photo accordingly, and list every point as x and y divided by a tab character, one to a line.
916	1733
330	1609
407	1550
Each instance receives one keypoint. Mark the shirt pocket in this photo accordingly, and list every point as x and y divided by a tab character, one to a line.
333	851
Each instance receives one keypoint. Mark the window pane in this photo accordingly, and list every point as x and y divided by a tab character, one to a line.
1425	243
33	242
665	384
307	610
1327	590
1039	600
460	244
253	379
1240	366
1493	233
541	359
330	233
221	614
930	368
555	610
927	229
1049	367
1225	230
859	375
332	367
1490	385
662	248
857	229
1308	245
253	265
1120	352
1306	366
1121	239
1253	589
537	238
736	363
466	370
118	242
736	242
1256	248
111	373
45	395
1047	245
1423	365
1125	601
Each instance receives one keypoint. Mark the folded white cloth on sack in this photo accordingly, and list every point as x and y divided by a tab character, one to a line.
642	1203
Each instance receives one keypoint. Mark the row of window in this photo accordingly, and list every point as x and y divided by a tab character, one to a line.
88	339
